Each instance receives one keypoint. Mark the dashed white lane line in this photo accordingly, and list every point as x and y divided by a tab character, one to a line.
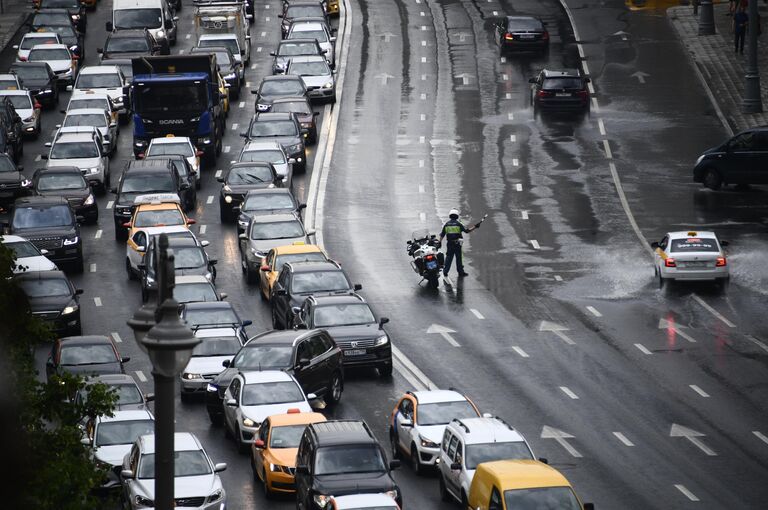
423	97
699	390
601	126
97	301
512	138
762	437
508	95
266	6
643	349
607	148
209	200
110	204
505	77
520	351
714	312
418	1
591	88
203	228
535	244
241	105
423	117
495	13
422	139
92	268
423	43
422	217
422	13
424	78
524	214
421	163
116	337
581	50
226	149
188	36
423	60
594	311
235	125
217	174
98	234
757	342
595	106
423	28
266	19
585	67
263	34
141	376
558	278
515	162
621	437
503	60
519	187
422	189
688	494
247	84
567	391
511	116
477	313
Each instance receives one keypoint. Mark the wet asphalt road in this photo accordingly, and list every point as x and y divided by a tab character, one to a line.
560	324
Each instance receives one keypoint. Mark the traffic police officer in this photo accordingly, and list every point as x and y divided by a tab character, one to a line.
453	230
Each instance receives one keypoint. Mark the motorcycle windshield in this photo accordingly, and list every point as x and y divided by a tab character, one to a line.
420	234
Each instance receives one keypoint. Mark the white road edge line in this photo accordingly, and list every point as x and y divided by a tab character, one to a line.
520	351
621	437
699	390
627	210
423	379
714	312
688	494
567	391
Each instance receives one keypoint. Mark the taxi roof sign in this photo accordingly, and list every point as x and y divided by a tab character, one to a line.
158	198
692	233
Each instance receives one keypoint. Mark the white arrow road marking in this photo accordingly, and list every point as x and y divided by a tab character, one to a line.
520	351
641	76
561	437
558	330
98	234
699	390
688	494
713	312
621	437
762	437
444	332
141	376
384	77
676	328
692	436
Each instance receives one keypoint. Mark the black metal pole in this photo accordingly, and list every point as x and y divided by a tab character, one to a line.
752	102
706	18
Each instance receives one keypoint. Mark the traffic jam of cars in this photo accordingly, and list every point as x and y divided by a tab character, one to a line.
267	391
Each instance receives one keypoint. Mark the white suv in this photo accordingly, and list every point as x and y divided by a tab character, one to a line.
81	147
472	441
107	79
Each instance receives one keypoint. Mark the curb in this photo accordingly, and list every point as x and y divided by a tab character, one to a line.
21	22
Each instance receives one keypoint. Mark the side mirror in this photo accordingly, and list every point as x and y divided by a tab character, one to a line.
99	50
69	88
296	310
141	267
220	179
383	321
78	292
394	464
190	221
109	26
15	46
456	466
302	206
259	443
302	470
204	243
724	243
149	397
281	292
654	245
587	80
43	252
125	359
291	161
141	249
126	473
247	323
113	189
406	423
272	54
311	232
226	363
218	468
184	186
311	396
243	237
242	52
543	460
531	80
127	224
213	262
86	441
243	134
232	402
223	295
315	114
332	39
358	287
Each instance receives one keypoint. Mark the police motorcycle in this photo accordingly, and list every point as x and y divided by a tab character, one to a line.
427	260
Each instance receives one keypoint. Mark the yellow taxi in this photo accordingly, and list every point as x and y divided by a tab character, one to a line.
224	92
333	8
274	449
273	262
509	484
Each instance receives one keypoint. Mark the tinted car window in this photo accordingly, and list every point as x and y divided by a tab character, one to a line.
31	73
95	81
147	183
38	217
319	281
281	87
122	432
293	49
219	316
269	201
264	356
275	157
53	182
442	413
488	452
45	287
286	437
216	346
91	119
525	24
561	83
186	463
74	150
77	354
271	393
292	107
23	249
137	18
273	128
277	230
343	315
250	175
348	459
549	498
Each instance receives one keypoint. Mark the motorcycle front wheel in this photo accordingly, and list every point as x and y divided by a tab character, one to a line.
434	280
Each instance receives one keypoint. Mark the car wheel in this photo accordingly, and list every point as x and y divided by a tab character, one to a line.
395	450
251	276
418	469
262	293
265	485
333	395
444	496
131	274
464	502
712	179
385	370
216	418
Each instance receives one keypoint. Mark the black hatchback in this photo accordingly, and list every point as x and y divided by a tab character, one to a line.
67	182
40	80
522	33
741	160
240	179
560	90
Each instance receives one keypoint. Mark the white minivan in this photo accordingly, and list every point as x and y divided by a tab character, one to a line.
154	15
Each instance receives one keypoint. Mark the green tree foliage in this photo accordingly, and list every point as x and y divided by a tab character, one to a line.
45	465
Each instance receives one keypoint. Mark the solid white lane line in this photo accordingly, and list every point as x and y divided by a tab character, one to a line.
581	50
558	278
535	244
595	106
643	349
519	187
209	200
477	313
402	370
714	312
217	174
203	228
520	351
93	268
515	162
116	337
607	147
688	494
585	67
757	342
621	437
699	390
397	353
98	234
567	391
141	376
512	138
762	437
601	126
627	210
591	88
110	204
97	301
594	311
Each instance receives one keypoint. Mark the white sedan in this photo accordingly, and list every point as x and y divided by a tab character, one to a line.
27	108
28	257
690	256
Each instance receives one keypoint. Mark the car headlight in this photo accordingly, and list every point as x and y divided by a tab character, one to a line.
73	48
206	140
71	241
211	388
306	124
262	107
190	377
141	501
257	253
426	443
700	159
150	280
382	340
217	495
392	494
230	76
248	422
321	499
242	224
195	119
70	309
26	183
46	91
226	188
93	170
328	85
294	148
30	119
228	199
160	33
90	200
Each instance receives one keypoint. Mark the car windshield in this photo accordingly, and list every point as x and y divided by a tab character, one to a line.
314	256
45	287
147	183
188	257
545	498
304	11
294	49
137	18
66	32
31	73
561	83
216	346
292	107
195	316
273	128
525	24
128	394
161	149
274	156
6	164
87	354
691	244
41	217
81	102
442	413
348	459
21	102
250	175
51	18
164	98
287	436
309	69
62	4
22	249
74	150
46	54
98	120
158	218
271	393
319	281
263	357
281	88
53	182
28	42
230	44
318	35
127	45
122	432
99	81
277	230
345	315
185	463
488	452
8	84
189	292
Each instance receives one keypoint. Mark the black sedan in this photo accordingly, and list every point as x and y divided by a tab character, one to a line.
560	90
300	107
522	33
40	80
242	178
128	44
273	87
52	298
13	184
67	182
282	128
75	8
266	201
84	355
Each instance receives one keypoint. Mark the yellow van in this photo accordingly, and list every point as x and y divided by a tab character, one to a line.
513	484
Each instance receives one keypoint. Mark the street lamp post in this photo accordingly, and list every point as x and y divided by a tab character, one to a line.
706	18
752	102
168	342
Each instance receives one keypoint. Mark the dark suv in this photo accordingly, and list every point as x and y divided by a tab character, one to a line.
40	80
53	299
741	160
142	177
50	224
283	128
10	122
354	328
341	457
129	44
239	180
559	90
312	357
13	184
522	33
297	282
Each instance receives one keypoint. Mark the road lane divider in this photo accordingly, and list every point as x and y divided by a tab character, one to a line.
621	437
519	350
643	349
762	437
594	311
97	301
699	390
561	437
688	494
141	376
569	392
556	329
477	313
98	234
714	312
92	268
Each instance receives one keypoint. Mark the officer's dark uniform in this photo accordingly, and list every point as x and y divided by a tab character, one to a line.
453	230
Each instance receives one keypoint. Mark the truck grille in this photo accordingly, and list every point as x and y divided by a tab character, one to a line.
47	243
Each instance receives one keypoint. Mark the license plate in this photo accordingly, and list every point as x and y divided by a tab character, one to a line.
696	264
431	264
526	36
354	352
563	94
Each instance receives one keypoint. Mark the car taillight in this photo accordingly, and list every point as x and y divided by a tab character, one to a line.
22	59
545	35
721	262
509	37
37	105
670	262
544	93
429	257
582	94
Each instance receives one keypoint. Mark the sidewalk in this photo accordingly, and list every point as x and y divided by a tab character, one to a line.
721	68
14	15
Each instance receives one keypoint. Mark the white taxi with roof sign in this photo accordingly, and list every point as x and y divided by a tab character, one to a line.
691	255
180	145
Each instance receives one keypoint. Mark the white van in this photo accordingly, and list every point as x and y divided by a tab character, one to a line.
154	15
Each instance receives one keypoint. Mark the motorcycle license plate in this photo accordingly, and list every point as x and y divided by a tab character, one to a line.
354	352
431	264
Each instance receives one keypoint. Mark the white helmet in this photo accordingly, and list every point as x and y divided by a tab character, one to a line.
453	212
